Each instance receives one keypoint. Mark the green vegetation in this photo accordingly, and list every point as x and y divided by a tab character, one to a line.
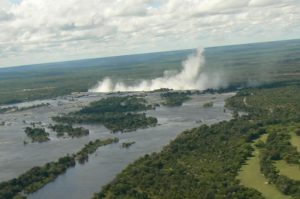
278	109
38	177
35	178
278	103
204	162
291	171
208	104
115	113
277	147
91	147
189	168
242	63
175	98
127	144
46	81
282	152
37	134
295	141
61	129
251	176
201	163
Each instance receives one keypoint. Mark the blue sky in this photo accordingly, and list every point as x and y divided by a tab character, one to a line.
36	31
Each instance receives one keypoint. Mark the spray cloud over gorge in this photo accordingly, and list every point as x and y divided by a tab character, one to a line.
191	77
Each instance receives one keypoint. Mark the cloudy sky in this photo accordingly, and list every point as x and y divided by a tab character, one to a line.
35	31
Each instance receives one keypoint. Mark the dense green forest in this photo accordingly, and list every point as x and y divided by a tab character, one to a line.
91	147
175	98
37	177
37	134
204	162
200	163
115	113
61	129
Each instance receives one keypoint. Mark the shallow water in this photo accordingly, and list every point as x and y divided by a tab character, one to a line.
83	180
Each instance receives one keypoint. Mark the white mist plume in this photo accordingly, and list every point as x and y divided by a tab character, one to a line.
191	77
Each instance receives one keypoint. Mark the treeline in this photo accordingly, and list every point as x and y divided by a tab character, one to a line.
37	177
83	155
115	113
175	98
204	162
274	106
200	163
61	129
117	104
278	147
37	134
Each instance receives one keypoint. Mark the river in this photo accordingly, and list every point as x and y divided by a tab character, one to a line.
82	181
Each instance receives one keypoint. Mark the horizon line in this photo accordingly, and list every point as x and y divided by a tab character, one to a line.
153	52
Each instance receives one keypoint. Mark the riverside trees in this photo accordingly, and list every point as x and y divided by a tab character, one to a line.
115	113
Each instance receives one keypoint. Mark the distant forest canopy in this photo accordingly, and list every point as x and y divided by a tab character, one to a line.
241	65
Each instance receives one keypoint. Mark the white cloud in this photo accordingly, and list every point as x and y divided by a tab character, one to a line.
263	2
41	31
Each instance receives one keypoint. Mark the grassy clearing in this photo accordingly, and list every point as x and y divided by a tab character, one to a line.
291	171
263	138
295	141
250	176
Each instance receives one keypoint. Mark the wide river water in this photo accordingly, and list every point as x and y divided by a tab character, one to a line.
82	181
